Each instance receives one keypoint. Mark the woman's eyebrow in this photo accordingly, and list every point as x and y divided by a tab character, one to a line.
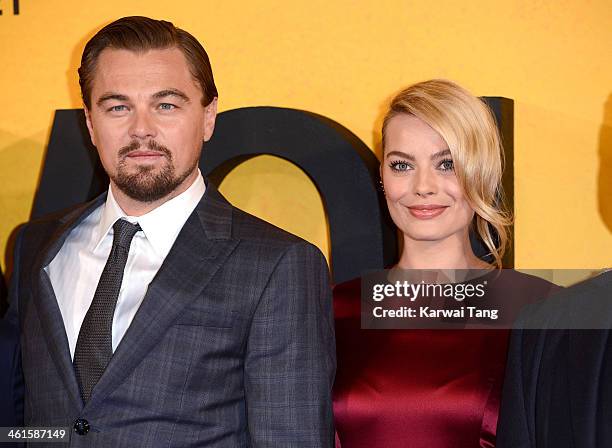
402	154
442	153
405	155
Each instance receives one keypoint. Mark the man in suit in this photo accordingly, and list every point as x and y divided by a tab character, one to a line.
158	314
558	385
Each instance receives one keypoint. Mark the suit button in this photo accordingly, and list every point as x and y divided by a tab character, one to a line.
81	426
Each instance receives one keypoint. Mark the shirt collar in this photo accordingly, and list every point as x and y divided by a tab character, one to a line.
161	225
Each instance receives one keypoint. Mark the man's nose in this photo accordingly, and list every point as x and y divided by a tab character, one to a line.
425	183
142	125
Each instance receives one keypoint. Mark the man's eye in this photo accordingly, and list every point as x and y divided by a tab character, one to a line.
119	108
167	106
447	165
399	166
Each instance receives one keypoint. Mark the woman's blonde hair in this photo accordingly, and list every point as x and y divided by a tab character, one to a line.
468	127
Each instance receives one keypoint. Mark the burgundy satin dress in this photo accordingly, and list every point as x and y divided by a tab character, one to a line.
420	388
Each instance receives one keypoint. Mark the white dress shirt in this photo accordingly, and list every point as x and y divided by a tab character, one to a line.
77	267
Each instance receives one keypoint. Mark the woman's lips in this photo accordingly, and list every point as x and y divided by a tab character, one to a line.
427	211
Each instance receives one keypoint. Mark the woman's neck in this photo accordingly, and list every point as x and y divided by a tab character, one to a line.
454	252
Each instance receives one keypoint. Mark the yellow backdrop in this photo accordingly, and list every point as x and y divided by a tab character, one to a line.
344	60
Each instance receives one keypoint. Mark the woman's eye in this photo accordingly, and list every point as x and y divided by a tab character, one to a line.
447	165
399	166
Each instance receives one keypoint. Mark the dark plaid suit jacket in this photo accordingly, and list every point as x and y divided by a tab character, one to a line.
233	345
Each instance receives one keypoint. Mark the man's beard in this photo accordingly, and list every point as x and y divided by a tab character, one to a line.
147	184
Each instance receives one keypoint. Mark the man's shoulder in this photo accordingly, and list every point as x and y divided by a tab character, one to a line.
244	226
584	305
247	227
528	283
264	243
263	236
37	231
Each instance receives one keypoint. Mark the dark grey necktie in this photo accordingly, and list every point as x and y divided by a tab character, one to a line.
94	347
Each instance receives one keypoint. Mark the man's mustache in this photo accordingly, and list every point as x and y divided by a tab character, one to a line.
151	145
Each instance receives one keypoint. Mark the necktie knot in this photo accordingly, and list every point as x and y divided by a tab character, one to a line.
124	232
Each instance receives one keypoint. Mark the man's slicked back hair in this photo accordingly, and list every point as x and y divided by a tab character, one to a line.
140	34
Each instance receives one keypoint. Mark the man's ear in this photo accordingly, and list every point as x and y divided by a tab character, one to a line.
210	115
89	125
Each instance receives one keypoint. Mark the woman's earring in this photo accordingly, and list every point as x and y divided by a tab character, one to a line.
381	186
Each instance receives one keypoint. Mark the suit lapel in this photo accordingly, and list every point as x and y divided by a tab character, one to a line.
200	249
51	320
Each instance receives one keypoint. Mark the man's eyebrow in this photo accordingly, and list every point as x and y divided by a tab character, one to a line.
171	92
405	155
111	96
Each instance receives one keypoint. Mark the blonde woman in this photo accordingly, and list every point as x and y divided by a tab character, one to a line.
441	172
